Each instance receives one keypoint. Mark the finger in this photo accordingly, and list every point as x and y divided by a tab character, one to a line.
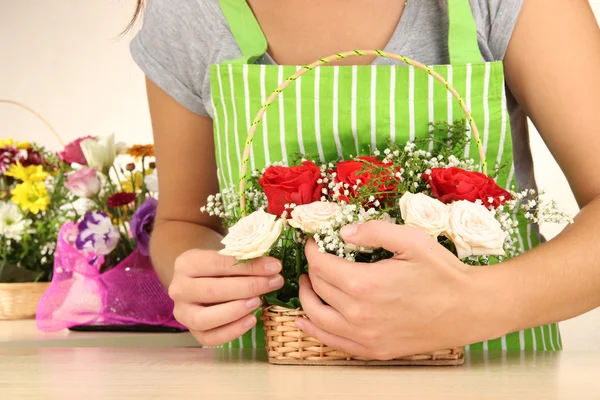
201	318
330	294
334	270
226	333
337	342
323	316
201	263
219	290
400	239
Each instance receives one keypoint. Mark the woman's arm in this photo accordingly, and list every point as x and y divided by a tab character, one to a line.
187	176
213	297
553	69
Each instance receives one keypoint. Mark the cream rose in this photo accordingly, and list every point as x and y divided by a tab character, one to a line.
309	217
424	212
475	231
252	236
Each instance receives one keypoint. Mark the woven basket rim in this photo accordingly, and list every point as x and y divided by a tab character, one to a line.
22	285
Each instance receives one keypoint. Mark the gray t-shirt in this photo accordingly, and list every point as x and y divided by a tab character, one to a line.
180	39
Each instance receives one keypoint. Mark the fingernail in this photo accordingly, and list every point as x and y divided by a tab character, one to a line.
276	282
300	324
253	303
272	267
349	230
249	322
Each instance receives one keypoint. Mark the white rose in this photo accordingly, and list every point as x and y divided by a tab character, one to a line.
252	236
475	231
309	217
427	213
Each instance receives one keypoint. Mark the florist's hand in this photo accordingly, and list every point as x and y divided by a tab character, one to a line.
214	298
423	299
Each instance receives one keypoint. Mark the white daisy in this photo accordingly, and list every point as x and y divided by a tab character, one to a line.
12	223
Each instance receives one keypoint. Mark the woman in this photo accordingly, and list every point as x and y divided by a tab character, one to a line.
551	56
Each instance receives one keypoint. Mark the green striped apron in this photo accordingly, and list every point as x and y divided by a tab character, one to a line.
344	111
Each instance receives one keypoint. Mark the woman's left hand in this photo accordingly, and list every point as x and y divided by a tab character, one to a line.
423	299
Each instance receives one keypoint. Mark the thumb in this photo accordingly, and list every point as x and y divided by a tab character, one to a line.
402	240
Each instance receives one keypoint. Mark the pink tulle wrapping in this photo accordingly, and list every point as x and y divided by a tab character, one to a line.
128	294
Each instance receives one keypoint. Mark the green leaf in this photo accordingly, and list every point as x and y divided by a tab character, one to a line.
292	303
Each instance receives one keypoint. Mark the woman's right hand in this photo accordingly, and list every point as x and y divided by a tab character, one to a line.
215	299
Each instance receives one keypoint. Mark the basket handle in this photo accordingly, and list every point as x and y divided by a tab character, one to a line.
36	114
340	56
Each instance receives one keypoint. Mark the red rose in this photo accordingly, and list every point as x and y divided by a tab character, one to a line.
120	199
286	185
365	170
454	184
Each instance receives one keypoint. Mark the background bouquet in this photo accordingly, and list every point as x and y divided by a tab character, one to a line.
103	275
32	193
113	202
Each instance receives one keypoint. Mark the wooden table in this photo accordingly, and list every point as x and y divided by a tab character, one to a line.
24	334
174	374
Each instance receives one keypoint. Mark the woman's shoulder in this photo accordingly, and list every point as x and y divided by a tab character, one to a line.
183	20
177	42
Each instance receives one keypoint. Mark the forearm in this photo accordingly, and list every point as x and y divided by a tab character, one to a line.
556	281
172	238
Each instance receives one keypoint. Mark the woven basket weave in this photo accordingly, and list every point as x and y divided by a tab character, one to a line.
286	344
20	300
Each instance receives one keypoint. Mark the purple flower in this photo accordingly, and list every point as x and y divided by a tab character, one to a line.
142	223
97	234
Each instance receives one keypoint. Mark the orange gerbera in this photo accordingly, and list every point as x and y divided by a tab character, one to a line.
138	151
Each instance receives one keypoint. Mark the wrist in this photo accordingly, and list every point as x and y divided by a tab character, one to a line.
495	302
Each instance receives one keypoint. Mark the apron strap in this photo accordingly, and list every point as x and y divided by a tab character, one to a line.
245	29
462	33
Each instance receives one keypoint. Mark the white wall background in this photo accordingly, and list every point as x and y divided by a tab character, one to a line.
63	58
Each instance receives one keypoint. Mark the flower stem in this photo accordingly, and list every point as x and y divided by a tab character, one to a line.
118	180
298	261
144	190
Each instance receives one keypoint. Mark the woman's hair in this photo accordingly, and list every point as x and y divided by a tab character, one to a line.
139	8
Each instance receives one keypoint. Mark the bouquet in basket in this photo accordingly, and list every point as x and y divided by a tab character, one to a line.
428	184
32	193
102	270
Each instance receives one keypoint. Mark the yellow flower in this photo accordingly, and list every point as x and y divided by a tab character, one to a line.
32	173
128	183
31	196
23	145
11	143
7	142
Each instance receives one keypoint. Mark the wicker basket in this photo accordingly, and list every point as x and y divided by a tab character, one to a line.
20	300
286	344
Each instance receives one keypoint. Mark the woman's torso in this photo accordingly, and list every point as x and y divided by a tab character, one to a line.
181	39
180	65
